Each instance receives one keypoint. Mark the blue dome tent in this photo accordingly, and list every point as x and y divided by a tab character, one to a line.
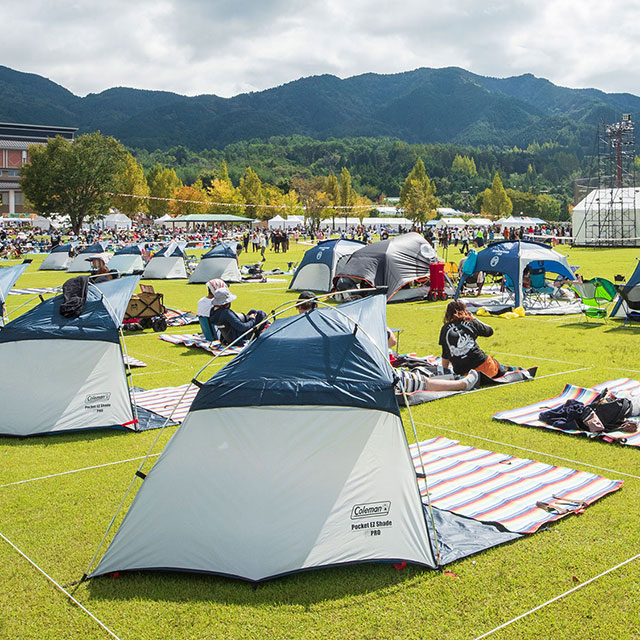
66	374
127	259
221	261
82	262
511	259
318	265
58	259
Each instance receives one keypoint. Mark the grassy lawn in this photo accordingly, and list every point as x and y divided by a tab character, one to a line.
59	521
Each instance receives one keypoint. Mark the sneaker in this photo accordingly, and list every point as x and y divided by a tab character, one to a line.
471	379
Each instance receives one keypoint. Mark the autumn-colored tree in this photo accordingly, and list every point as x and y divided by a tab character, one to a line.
163	183
252	193
188	201
314	198
223	191
131	180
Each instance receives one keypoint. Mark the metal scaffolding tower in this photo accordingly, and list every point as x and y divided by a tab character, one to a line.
610	218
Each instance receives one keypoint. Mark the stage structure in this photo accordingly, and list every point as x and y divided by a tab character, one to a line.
608	215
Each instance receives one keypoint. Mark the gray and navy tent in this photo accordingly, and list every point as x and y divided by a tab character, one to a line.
221	262
290	456
127	259
58	260
64	374
620	308
167	263
396	263
511	258
8	277
82	262
319	264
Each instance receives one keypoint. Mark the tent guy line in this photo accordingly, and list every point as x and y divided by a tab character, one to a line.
60	588
539	453
64	473
558	597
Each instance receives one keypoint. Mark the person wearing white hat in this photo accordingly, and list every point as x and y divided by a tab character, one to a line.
231	325
205	305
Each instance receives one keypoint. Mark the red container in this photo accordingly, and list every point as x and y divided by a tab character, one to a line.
436	281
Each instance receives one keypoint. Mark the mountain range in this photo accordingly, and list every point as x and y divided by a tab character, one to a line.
448	105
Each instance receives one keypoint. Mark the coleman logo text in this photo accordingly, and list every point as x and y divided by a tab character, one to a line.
370	510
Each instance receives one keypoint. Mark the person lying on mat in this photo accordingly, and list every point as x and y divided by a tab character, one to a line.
458	341
232	325
412	381
205	305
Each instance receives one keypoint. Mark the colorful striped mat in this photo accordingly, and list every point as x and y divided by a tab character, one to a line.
498	488
34	291
133	362
178	318
163	400
528	415
197	340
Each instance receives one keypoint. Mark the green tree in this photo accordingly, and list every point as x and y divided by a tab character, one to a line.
332	189
163	183
131	181
495	201
464	165
549	207
347	194
73	179
223	172
252	192
418	195
525	203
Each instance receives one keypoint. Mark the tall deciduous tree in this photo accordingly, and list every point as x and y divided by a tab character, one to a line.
332	189
73	178
252	193
163	183
132	181
347	194
188	201
495	201
418	195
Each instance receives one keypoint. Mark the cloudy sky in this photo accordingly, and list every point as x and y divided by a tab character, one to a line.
228	47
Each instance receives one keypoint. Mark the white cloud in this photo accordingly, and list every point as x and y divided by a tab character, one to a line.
229	46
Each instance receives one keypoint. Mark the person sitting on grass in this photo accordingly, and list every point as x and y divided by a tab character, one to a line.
205	305
412	381
458	341
232	325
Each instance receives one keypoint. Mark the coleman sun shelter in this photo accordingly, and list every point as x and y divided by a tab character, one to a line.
221	261
58	260
290	456
127	259
511	258
393	263
319	264
66	374
167	264
8	277
82	262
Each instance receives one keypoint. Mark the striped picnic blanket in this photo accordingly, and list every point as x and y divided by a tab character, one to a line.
34	291
529	415
197	340
133	362
498	488
178	318
163	400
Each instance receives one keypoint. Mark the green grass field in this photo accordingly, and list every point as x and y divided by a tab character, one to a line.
59	521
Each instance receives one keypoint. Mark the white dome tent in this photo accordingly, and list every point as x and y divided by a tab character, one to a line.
221	261
167	264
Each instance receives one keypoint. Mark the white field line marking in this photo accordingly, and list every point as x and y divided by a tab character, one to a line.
519	355
539	453
558	597
60	588
64	473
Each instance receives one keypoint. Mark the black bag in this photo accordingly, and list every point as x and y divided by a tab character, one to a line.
74	294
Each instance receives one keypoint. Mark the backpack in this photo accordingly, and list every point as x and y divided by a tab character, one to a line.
74	296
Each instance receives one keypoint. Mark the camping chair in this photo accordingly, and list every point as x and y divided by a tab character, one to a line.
596	295
631	295
451	271
539	290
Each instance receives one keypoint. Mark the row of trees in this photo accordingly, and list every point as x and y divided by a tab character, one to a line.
84	178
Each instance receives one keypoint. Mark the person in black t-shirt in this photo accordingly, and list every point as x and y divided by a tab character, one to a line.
458	341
